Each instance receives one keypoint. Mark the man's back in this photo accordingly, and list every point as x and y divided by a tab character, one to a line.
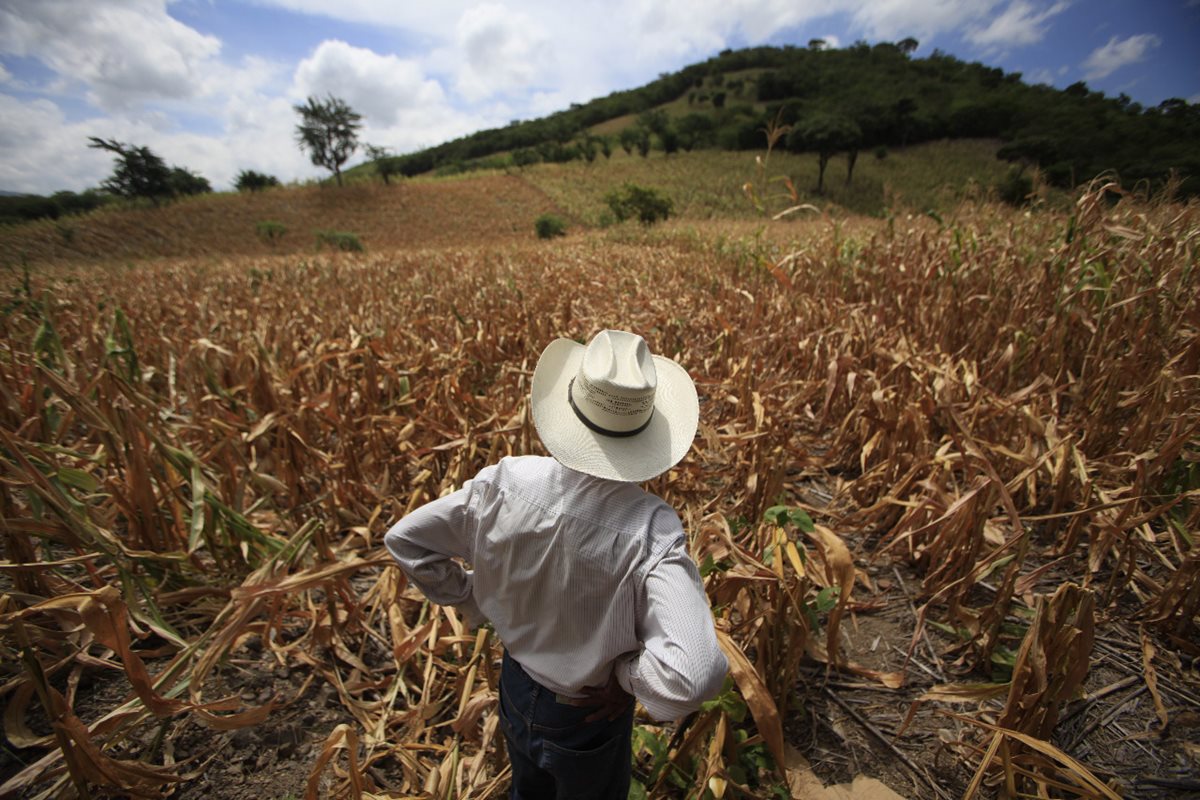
580	576
560	559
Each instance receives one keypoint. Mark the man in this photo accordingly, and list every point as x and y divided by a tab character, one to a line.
584	576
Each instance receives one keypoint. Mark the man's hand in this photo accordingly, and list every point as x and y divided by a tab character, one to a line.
610	700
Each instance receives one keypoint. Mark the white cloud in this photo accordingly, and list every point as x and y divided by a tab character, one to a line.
1040	76
691	23
43	152
380	87
124	52
1018	25
426	18
402	108
488	49
921	19
1118	53
5	75
502	51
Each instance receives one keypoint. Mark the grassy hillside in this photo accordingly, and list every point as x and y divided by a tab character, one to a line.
883	96
493	208
712	184
485	208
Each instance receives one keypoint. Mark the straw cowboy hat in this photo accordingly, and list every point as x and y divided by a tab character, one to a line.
611	409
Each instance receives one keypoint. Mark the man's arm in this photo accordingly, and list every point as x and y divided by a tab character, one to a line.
425	544
680	665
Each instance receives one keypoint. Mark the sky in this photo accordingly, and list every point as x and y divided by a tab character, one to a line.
211	85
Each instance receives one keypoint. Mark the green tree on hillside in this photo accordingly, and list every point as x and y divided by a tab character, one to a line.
250	181
628	138
636	136
524	157
328	130
643	141
655	120
904	110
669	139
694	130
588	146
825	134
138	172
386	164
185	182
852	141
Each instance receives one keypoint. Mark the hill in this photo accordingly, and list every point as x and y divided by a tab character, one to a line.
889	98
487	208
498	207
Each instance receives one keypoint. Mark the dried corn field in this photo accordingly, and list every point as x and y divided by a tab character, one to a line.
409	214
945	498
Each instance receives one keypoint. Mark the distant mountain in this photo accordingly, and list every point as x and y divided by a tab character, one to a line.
871	97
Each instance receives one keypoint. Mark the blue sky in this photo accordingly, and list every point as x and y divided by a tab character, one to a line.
210	84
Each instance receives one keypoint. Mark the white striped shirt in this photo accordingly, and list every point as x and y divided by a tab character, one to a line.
579	576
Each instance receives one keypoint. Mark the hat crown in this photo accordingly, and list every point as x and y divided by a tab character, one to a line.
615	385
620	362
611	408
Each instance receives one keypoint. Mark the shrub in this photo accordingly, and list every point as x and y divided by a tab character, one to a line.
71	203
185	182
22	208
459	167
637	201
26	207
1015	188
549	226
250	181
525	156
340	240
270	231
881	152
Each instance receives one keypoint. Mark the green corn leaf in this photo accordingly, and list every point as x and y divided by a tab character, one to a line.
197	525
78	479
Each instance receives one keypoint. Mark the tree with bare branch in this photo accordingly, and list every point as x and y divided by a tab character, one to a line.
328	130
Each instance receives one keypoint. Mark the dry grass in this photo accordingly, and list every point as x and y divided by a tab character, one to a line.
405	214
711	185
196	454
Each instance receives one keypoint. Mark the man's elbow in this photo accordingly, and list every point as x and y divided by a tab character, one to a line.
393	540
712	679
687	690
705	678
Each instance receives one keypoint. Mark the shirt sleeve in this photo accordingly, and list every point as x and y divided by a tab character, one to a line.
681	664
426	543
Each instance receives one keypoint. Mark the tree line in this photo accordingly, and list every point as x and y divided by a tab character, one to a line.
327	131
862	97
812	99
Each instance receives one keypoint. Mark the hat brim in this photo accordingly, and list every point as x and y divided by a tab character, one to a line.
662	445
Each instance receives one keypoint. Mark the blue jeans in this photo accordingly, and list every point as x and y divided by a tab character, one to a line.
555	755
